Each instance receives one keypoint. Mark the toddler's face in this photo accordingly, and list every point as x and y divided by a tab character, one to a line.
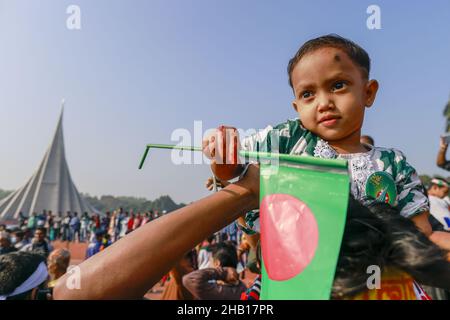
331	94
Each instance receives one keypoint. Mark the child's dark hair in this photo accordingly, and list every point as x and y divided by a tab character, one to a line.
379	235
357	54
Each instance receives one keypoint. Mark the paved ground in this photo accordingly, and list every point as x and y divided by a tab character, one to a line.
77	250
78	253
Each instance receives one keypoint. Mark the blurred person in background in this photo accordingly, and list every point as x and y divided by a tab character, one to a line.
65	227
41	219
57	262
205	253
242	252
439	209
39	244
84	227
104	222
124	225
75	226
130	223
57	219
442	161
96	244
19	240
31	223
220	282
5	243
22	219
23	276
137	221
94	226
175	290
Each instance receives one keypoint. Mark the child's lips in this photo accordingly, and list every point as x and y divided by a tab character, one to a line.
329	122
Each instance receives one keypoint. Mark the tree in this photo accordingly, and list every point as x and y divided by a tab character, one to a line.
425	179
111	203
4	193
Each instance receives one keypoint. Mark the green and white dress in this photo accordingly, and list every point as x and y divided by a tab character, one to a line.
380	174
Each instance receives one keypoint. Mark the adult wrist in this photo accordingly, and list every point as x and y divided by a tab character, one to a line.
249	197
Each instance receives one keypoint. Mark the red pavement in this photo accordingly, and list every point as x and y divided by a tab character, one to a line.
77	250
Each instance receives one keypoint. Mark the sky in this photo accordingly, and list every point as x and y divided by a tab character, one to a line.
138	70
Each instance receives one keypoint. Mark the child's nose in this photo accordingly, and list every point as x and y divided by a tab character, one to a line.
324	103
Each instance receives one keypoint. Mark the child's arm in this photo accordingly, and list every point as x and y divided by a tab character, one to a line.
413	203
442	239
422	223
132	265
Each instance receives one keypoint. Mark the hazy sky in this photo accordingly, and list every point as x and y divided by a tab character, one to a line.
138	70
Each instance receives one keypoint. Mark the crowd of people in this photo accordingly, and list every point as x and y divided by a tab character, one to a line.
76	228
31	242
37	232
214	270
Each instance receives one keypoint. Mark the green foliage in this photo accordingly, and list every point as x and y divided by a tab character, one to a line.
111	203
4	193
425	179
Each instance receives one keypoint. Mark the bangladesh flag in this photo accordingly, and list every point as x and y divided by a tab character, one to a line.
303	206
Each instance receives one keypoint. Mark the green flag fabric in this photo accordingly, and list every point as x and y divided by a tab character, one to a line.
302	215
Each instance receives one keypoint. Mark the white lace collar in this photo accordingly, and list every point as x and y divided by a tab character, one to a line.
360	165
325	151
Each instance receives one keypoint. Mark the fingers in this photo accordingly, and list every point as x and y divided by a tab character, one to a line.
209	182
209	146
222	145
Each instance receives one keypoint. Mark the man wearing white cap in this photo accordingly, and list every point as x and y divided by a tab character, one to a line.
439	208
21	275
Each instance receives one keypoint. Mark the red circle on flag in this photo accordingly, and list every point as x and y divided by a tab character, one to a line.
289	236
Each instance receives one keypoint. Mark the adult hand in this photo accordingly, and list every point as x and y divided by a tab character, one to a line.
222	147
209	146
219	183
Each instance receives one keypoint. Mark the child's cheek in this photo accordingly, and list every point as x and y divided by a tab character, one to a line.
307	118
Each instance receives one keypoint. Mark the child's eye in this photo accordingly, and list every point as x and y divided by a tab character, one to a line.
339	85
306	94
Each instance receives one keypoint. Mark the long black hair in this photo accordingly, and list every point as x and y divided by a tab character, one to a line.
379	235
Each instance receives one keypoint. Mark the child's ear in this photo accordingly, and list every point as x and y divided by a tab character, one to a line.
371	92
294	105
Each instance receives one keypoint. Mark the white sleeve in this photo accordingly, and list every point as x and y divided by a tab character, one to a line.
439	210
